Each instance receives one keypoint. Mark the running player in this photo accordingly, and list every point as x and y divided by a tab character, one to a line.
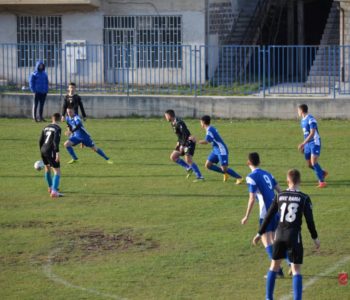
261	186
77	134
311	146
219	153
291	205
185	146
49	148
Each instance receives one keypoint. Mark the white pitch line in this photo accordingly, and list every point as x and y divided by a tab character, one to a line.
316	278
47	269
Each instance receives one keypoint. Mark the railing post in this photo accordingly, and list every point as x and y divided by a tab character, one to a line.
195	70
263	51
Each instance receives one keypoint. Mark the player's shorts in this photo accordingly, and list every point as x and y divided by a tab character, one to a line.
215	158
187	149
272	225
291	245
49	158
311	149
86	141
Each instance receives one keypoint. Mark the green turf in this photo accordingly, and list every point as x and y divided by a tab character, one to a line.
139	230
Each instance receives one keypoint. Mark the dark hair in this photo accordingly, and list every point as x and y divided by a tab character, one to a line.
72	83
303	108
206	120
56	117
70	106
170	112
294	176
254	158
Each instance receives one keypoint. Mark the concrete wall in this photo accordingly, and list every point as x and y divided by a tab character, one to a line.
12	105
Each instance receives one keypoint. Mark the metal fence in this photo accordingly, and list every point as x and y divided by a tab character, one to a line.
181	70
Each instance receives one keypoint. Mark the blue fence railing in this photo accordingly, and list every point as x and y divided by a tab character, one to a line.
181	69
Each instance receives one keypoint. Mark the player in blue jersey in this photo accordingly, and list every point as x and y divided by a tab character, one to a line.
219	153
311	146
262	186
78	135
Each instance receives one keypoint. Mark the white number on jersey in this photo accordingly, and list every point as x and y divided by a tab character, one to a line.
268	181
48	134
291	212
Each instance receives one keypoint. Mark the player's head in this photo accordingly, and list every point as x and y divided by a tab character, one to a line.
169	115
205	121
293	177
70	111
71	87
253	159
302	110
56	117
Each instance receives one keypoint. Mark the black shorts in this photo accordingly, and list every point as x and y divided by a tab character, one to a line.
49	158
290	245
187	149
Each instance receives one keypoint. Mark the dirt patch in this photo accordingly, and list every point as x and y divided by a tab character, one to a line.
93	243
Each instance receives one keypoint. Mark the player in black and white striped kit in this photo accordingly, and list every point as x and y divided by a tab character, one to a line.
291	204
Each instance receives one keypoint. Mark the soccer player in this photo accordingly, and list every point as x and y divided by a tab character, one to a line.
49	148
291	204
311	146
185	146
73	99
261	186
78	134
219	153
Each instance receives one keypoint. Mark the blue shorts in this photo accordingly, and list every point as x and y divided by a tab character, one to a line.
273	223
86	141
311	149
215	158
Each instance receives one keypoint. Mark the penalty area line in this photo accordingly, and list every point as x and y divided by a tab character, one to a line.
316	278
47	270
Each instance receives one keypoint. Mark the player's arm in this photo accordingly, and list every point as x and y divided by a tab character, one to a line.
41	139
78	125
310	222
269	215
203	142
80	103
308	138
64	108
249	208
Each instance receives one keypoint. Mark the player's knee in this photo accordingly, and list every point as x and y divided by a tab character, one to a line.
173	157
66	144
208	164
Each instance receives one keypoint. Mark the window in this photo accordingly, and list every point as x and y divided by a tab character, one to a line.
38	37
153	41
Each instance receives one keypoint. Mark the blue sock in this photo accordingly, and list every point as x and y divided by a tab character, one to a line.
233	173
101	153
215	169
56	182
297	286
196	170
269	251
182	163
48	178
270	284
319	172
71	152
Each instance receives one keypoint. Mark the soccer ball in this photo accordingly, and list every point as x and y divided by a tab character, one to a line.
39	165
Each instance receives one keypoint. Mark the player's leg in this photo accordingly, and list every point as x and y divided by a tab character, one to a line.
297	281
271	278
320	174
56	183
211	162
95	149
226	170
69	146
35	106
48	177
175	157
267	240
193	165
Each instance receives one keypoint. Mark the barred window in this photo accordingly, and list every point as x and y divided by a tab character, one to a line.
39	37
152	41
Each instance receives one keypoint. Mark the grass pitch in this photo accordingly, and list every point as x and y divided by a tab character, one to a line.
139	230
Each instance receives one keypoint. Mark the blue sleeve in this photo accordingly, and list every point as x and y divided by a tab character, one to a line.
252	187
209	137
32	82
